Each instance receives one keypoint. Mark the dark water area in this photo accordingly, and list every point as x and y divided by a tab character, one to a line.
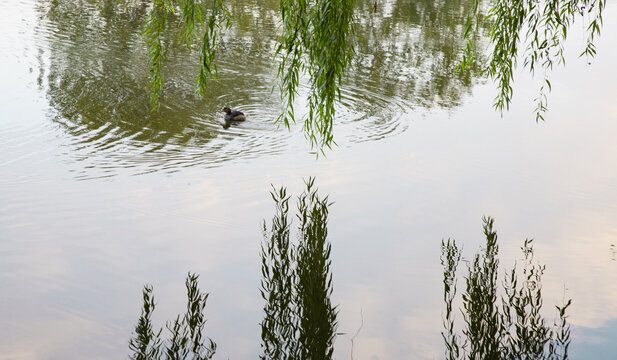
99	196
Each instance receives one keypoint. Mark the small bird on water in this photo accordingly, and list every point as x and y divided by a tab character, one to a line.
233	115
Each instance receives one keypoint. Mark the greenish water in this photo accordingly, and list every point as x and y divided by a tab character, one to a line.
93	70
98	196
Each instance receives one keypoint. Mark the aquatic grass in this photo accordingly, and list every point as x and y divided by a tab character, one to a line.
186	341
507	325
299	318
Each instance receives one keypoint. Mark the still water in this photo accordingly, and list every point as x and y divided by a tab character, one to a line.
98	196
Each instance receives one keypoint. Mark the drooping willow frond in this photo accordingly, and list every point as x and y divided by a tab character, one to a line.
191	18
330	55
192	13
316	38
294	29
218	20
153	31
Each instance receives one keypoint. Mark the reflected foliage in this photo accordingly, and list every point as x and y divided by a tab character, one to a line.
506	325
538	31
411	50
499	322
300	320
96	77
100	91
186	341
317	40
98	69
146	343
356	60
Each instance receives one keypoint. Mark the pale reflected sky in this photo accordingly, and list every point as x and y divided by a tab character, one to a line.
75	254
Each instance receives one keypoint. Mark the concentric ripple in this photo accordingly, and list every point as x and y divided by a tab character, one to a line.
96	79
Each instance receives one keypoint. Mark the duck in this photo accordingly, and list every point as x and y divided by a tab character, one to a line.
233	115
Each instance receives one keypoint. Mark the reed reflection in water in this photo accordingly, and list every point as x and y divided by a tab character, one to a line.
187	339
299	318
300	321
506	324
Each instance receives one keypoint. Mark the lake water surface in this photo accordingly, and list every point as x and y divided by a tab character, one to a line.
98	196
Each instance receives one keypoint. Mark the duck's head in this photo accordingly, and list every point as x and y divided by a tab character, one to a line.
227	110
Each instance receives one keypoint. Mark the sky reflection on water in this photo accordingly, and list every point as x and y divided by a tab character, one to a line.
74	255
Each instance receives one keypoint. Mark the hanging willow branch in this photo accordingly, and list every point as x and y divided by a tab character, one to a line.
294	28
218	20
192	14
153	31
330	55
540	29
316	38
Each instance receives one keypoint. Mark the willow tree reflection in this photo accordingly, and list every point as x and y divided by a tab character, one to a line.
187	338
99	80
504	324
98	76
300	320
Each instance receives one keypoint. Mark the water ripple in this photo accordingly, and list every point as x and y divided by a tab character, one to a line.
96	80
